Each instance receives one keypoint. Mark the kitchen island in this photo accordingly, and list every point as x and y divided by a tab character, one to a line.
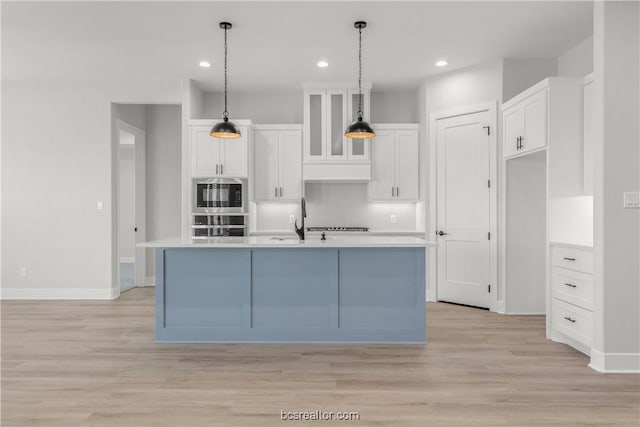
349	289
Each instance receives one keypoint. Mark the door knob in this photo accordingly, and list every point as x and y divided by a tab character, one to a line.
442	233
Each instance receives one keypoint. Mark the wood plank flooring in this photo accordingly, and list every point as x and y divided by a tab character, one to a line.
94	363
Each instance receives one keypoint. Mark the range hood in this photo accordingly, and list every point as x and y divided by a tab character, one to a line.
336	172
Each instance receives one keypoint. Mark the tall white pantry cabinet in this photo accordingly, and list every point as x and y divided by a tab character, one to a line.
547	269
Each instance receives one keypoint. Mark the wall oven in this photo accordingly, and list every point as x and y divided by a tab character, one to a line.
212	225
219	195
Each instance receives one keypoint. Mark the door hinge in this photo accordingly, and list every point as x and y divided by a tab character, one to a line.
489	236
489	288
488	128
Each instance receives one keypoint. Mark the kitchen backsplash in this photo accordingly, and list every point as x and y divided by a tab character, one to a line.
338	204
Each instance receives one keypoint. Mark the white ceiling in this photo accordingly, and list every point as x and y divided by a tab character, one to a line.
275	45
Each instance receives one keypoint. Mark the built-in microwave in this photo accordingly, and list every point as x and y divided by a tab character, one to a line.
219	195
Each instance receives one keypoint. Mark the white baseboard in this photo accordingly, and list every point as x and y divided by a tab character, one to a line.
127	259
57	294
615	363
499	307
429	297
149	281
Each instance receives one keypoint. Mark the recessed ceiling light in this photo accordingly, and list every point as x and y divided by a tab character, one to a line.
323	64
205	64
441	63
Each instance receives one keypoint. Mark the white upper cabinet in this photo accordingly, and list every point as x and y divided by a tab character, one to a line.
266	167
278	166
525	124
395	163
383	166
218	156
327	113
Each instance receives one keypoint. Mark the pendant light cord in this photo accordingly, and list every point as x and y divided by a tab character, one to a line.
226	113
360	73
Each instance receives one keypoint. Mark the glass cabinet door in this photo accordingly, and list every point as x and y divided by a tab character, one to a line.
336	124
315	131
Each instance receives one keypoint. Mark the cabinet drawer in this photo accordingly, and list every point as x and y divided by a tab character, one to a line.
573	259
574	322
573	287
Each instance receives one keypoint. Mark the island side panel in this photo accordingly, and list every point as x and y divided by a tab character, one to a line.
292	288
204	290
380	288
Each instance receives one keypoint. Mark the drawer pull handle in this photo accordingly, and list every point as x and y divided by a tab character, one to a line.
571	285
570	319
569	259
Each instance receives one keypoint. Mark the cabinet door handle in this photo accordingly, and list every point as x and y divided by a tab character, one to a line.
276	188
569	259
571	285
393	191
570	319
221	173
397	191
217	169
280	191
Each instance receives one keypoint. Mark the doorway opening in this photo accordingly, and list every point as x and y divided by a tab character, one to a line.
131	202
146	196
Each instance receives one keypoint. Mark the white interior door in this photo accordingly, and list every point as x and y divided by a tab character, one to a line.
140	205
463	209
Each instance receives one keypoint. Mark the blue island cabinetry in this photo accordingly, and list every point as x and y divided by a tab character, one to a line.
289	295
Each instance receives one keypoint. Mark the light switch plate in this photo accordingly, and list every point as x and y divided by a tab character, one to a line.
393	219
631	199
100	205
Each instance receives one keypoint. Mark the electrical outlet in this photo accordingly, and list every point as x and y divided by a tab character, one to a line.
292	219
100	205
393	219
23	271
631	199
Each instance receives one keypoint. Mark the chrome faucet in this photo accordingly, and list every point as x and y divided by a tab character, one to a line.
300	231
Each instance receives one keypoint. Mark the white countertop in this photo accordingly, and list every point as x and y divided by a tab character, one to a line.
313	241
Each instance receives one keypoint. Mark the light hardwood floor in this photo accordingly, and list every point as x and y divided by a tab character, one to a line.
90	363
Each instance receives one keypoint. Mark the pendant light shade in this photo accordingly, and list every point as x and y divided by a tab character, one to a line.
225	128
360	128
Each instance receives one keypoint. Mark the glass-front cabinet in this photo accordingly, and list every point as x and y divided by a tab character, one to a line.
327	113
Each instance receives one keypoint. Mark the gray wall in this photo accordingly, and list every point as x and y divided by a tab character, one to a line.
577	61
394	107
276	107
163	164
519	74
73	259
287	107
617	154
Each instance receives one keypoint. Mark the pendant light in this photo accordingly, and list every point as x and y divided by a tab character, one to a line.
225	128
359	129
